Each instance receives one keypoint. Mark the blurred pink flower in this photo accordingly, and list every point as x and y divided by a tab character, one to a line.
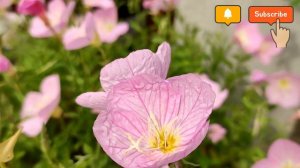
136	63
254	42
107	26
38	106
267	51
257	76
58	14
5	3
248	37
283	89
31	7
282	154
99	3
5	64
156	6
216	132
221	95
79	37
151	122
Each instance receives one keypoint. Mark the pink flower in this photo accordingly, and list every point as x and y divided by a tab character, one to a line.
136	63
107	26
151	122
221	95
283	90
38	106
5	64
257	76
248	37
253	42
156	6
79	37
99	3
267	51
58	15
282	154
216	133
5	4
31	7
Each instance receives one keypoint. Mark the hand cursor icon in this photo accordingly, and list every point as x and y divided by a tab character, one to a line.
281	36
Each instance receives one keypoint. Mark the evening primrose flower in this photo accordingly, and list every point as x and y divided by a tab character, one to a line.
282	154
253	42
150	122
55	21
136	63
216	132
283	89
39	106
221	95
79	37
31	7
107	26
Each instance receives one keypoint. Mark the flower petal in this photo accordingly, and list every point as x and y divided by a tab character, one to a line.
138	62
285	150
93	100
164	54
32	126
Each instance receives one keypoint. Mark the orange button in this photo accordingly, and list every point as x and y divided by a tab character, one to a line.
269	14
228	14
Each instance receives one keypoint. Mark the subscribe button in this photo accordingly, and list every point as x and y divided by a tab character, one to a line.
269	14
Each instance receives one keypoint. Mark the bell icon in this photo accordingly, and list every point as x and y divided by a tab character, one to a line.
227	13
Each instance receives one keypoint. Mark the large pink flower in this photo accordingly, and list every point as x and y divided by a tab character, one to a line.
283	90
99	3
150	122
221	95
107	26
156	6
79	37
282	154
5	64
136	63
254	42
216	132
38	106
58	15
31	7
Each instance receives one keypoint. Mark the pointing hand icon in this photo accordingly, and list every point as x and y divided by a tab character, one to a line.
281	36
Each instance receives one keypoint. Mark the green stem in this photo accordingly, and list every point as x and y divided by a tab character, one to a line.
44	148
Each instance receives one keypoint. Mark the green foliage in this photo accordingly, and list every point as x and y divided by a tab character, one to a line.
69	141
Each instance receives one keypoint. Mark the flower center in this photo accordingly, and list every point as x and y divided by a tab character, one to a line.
290	164
164	141
284	84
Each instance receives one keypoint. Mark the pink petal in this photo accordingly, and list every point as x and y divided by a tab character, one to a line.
285	150
216	132
93	100
221	95
50	89
266	163
182	104
29	108
164	54
32	127
248	37
38	28
257	76
267	51
99	3
5	3
5	64
30	7
138	62
110	37
79	37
